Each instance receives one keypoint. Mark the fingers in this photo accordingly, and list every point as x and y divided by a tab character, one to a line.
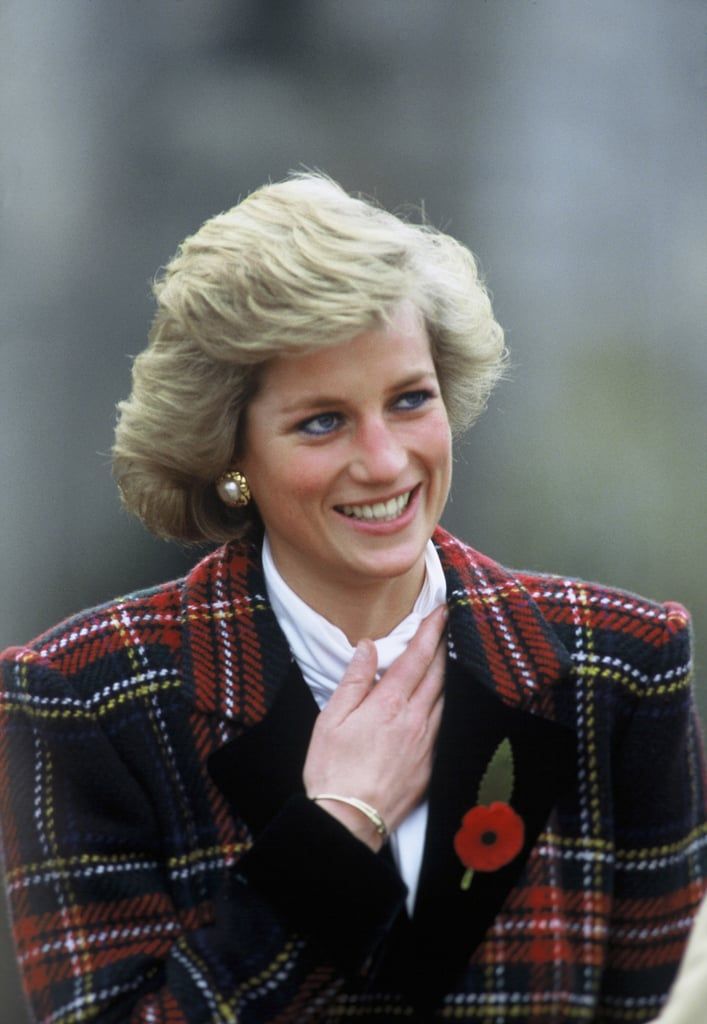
422	662
411	667
434	718
431	686
356	681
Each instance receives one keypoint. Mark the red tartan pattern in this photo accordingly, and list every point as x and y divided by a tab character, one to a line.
116	841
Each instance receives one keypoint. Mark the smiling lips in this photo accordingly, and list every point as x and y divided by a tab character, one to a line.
379	511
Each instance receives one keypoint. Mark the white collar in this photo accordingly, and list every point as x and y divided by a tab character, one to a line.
320	648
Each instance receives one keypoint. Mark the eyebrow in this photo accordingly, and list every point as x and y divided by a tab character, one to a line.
328	401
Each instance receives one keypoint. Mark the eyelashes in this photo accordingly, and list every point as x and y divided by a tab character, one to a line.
325	423
414	399
319	426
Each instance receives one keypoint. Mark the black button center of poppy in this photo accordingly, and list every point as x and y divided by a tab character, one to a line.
488	838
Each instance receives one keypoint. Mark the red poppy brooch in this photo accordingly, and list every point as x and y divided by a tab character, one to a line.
492	833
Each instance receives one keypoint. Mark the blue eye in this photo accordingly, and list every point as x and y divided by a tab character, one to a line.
413	399
320	425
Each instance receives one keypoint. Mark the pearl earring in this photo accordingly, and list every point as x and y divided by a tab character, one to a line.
233	490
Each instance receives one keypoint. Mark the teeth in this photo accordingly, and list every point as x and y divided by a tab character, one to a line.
382	511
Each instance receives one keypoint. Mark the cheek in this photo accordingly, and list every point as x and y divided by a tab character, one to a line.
303	477
439	457
439	440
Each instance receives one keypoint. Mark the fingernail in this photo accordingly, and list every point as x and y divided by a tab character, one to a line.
360	650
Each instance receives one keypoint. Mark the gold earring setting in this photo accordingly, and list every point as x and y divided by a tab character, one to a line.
233	490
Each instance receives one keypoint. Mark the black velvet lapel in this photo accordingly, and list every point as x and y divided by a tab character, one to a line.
449	922
260	769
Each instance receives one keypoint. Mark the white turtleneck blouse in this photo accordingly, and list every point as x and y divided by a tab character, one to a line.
323	653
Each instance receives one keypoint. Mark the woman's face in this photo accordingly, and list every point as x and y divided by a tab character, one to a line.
348	457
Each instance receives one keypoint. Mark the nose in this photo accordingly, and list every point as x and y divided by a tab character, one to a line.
379	455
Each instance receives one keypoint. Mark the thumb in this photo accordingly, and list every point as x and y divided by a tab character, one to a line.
356	681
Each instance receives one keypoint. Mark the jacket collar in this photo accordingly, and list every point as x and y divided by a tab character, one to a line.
499	635
236	656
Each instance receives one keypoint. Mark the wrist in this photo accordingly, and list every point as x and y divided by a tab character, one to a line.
362	820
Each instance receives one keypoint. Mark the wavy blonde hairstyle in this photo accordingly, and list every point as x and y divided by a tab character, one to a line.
296	266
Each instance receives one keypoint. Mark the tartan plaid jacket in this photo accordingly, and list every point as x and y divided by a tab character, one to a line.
163	864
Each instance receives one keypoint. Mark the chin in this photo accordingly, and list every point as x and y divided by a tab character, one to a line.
393	566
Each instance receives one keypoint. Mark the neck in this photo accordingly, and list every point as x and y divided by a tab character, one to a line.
370	609
372	612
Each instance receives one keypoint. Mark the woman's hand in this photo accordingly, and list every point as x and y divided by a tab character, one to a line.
375	741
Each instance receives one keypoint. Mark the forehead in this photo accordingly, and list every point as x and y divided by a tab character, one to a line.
374	359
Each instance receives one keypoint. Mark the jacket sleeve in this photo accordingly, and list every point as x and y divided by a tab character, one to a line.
109	926
659	809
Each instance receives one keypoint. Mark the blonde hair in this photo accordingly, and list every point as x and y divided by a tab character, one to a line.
296	266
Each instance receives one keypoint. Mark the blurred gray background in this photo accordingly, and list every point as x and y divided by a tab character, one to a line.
563	140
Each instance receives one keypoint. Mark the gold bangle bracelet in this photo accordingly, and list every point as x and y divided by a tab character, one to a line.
360	805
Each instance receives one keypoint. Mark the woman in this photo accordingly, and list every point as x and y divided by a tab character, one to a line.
347	767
